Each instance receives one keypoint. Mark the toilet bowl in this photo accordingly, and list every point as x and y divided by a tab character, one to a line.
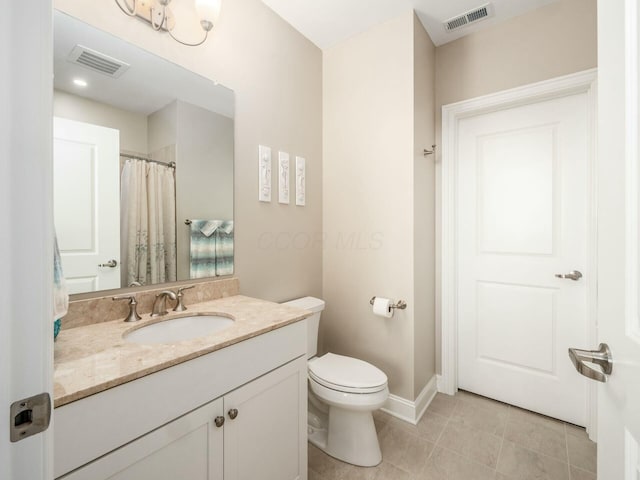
343	393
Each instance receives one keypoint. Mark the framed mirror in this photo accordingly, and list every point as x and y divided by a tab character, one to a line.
143	165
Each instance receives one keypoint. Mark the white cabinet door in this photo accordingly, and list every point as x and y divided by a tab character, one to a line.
86	203
267	438
188	448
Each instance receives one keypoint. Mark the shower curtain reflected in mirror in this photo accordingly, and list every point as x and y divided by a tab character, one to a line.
148	223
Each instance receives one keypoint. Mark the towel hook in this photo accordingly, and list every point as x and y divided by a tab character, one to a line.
430	152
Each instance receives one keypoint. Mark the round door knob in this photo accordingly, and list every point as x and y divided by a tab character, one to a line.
219	421
233	413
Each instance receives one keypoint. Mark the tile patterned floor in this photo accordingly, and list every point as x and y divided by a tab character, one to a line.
468	437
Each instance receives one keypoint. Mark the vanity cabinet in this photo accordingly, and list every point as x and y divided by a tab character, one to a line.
251	433
262	399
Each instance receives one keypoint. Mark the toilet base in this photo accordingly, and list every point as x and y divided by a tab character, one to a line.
351	437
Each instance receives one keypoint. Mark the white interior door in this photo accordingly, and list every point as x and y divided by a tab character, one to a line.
26	236
522	219
618	237
86	188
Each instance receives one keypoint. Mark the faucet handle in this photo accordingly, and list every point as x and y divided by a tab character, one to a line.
133	307
180	307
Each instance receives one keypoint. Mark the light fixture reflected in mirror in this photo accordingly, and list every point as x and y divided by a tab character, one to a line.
158	14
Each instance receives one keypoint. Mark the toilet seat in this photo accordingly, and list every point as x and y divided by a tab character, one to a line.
346	374
354	402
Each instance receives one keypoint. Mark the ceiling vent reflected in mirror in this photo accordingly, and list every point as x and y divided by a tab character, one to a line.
467	18
98	62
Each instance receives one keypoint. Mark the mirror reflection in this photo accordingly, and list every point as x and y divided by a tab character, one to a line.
143	165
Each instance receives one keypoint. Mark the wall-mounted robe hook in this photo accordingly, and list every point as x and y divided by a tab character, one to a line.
430	152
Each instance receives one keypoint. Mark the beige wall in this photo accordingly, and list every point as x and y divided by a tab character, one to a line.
277	77
204	174
548	42
368	206
163	128
555	40
424	208
132	126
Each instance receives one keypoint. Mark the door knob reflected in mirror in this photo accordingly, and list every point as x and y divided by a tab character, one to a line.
574	275
109	264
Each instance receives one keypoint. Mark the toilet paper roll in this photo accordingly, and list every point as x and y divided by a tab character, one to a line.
382	307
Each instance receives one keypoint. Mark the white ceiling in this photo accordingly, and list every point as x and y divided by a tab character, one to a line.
328	22
149	84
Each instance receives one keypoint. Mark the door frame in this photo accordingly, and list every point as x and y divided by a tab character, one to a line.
452	114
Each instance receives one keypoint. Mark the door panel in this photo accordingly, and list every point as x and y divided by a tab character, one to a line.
522	218
86	203
528	344
515	191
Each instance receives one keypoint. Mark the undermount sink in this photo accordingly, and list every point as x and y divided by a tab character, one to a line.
179	329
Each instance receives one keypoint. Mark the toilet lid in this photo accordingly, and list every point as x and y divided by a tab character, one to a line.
340	373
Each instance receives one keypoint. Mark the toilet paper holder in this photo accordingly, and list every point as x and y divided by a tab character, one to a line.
400	304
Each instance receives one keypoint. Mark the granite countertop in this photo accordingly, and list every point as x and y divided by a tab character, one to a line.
93	358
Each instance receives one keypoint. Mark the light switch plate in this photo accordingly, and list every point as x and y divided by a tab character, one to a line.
264	174
283	177
301	179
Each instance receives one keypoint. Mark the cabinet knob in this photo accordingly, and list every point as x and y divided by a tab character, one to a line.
233	413
219	421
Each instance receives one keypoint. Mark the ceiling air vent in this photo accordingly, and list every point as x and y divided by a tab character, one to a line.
98	62
469	17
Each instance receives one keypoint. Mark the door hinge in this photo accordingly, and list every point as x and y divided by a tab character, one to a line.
30	416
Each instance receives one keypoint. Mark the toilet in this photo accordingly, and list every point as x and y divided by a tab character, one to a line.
343	393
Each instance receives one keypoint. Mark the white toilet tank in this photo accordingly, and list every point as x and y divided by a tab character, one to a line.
315	305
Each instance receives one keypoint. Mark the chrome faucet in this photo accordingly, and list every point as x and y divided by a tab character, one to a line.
160	303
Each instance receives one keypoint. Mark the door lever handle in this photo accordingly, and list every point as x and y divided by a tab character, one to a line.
574	275
109	264
588	361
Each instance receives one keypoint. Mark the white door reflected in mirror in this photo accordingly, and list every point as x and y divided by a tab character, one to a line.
86	203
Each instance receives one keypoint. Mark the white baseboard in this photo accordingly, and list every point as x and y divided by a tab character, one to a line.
411	411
